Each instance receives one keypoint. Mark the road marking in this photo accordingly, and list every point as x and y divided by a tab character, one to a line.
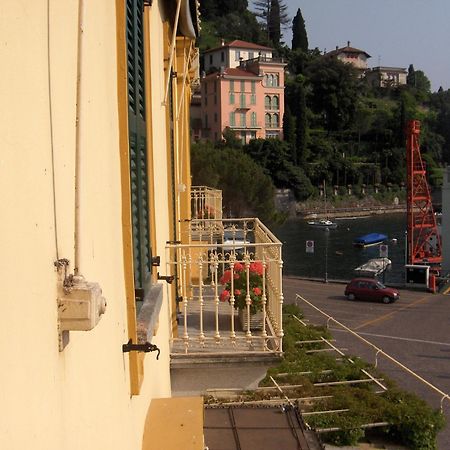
422	341
388	315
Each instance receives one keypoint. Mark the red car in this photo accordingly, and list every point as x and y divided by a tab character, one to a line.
371	290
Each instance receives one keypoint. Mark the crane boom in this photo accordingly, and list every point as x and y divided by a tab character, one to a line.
424	241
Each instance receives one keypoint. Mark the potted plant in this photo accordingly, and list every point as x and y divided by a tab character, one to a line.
244	288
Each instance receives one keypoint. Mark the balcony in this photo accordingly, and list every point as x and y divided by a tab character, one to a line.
211	252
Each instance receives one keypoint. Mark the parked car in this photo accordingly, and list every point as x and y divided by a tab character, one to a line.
370	289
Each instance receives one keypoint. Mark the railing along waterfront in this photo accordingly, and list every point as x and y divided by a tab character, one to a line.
221	264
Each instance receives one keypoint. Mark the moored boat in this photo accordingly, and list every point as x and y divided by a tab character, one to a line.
369	239
323	223
373	267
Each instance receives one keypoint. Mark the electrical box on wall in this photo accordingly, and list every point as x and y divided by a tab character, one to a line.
80	305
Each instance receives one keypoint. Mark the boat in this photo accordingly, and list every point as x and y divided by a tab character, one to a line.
369	239
323	223
373	267
326	223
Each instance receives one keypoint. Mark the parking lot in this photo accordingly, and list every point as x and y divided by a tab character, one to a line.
415	330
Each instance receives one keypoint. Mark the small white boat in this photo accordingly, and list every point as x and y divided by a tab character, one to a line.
323	223
326	224
374	267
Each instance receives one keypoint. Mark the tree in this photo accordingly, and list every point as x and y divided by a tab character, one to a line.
246	189
295	99
273	23
274	157
299	36
334	91
410	78
289	132
210	9
263	8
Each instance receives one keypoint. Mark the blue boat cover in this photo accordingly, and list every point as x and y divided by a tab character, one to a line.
370	238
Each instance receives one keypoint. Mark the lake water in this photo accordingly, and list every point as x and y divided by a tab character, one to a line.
334	254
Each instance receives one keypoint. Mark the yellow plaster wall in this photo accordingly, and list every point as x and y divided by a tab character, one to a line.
79	398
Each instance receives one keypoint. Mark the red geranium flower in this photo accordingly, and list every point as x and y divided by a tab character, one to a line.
224	296
226	277
237	292
257	291
238	267
257	267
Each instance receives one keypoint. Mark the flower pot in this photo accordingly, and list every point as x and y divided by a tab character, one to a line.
256	320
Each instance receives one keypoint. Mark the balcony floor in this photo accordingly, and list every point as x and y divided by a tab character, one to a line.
224	345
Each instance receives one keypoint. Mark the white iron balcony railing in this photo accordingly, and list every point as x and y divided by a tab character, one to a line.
206	203
229	287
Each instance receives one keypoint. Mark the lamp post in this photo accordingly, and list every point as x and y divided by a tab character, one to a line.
327	235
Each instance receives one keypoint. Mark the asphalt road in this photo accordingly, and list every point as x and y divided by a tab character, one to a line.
415	330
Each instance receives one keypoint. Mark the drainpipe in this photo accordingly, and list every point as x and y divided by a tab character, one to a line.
77	137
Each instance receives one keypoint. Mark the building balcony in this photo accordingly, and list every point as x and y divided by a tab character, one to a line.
265	60
206	203
218	265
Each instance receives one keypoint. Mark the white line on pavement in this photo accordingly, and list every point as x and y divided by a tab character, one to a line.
446	344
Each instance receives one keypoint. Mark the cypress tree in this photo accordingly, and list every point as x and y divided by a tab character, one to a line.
301	127
299	36
411	77
262	10
289	133
273	24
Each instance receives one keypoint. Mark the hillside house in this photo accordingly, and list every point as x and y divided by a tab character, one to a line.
246	97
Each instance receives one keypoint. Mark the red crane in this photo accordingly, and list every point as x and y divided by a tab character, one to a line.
424	241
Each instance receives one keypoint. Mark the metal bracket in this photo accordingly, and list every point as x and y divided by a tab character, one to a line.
168	278
147	347
156	261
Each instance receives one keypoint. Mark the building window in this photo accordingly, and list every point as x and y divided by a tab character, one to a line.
276	80
215	86
232	119
222	56
250	55
242	101
238	55
253	86
215	117
275	102
268	102
215	99
243	120
206	101
242	86
206	121
267	120
231	98
231	85
253	119
253	99
275	121
210	59
140	214
206	87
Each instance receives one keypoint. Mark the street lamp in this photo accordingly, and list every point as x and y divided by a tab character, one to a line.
327	235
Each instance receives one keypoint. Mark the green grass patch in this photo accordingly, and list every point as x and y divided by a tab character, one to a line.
412	422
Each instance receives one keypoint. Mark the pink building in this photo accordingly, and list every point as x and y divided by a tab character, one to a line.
248	99
350	55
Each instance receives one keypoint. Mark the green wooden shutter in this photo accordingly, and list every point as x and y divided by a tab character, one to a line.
138	142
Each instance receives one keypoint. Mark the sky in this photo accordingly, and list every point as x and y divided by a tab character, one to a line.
396	33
